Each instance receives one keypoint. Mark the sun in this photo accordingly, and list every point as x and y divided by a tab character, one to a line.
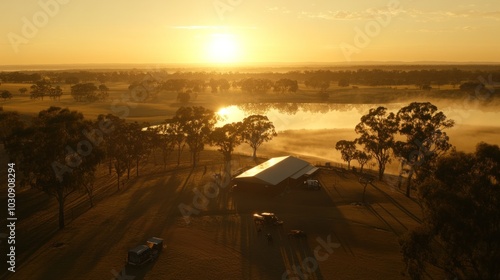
223	112
222	48
230	114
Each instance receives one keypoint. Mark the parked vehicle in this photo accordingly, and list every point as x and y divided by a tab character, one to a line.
312	184
156	244
297	233
267	218
143	254
140	255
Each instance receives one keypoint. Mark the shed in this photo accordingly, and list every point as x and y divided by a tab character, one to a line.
277	170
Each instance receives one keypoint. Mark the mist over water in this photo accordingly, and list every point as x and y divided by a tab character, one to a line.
295	116
311	129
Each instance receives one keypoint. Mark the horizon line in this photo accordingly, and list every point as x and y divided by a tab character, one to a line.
123	65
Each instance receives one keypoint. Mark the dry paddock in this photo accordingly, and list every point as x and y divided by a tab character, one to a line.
346	239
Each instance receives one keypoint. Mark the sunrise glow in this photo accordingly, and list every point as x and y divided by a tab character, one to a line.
222	48
237	32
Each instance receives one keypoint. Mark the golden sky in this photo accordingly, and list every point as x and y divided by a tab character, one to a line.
244	31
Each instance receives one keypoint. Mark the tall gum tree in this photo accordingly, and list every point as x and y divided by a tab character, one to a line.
163	137
256	130
347	150
197	124
376	130
115	145
226	138
423	127
60	159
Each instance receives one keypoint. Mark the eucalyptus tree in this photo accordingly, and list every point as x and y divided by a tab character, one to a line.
197	124
179	136
257	129
226	138
164	138
5	94
362	158
377	130
423	127
115	145
460	232
54	154
347	150
138	144
9	121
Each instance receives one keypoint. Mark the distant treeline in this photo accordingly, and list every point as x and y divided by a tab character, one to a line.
369	77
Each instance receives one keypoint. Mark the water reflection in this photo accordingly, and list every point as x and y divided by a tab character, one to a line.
292	116
286	116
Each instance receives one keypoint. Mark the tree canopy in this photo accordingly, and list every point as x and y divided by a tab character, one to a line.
197	123
226	138
376	130
5	94
422	125
88	92
9	122
51	151
256	130
347	150
461	205
285	85
362	159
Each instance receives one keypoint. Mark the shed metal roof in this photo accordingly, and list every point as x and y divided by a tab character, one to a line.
276	170
308	170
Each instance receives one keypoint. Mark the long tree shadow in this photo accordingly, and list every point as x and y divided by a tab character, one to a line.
397	204
111	231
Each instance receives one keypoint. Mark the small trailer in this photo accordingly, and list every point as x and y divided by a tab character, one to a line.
140	255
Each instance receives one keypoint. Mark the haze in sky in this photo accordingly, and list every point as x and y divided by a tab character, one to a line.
242	31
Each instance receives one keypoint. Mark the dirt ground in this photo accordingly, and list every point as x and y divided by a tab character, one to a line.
346	239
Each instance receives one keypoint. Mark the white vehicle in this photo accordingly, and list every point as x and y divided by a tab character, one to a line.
312	184
267	219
